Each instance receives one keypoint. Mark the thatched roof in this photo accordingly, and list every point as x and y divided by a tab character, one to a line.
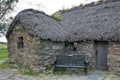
38	24
96	22
92	22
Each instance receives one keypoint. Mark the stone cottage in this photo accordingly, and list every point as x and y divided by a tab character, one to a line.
93	30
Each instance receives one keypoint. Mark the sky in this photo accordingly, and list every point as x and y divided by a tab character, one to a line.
48	6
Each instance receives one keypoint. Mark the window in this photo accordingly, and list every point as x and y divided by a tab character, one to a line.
20	42
74	46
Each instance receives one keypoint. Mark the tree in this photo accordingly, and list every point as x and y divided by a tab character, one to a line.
5	6
2	25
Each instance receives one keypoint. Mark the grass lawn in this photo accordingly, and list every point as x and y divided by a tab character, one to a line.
3	46
3	51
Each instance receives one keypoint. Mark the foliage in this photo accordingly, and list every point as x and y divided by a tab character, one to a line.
2	26
28	72
5	6
57	17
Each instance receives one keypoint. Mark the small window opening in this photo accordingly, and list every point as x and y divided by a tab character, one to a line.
20	42
74	46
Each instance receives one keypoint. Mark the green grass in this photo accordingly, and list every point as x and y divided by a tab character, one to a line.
3	46
3	53
60	70
4	65
91	70
28	72
48	70
23	71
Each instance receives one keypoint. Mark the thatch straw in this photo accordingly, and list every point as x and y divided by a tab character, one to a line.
39	24
98	22
92	22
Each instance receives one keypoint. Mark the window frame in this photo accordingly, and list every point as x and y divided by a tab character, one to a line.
20	43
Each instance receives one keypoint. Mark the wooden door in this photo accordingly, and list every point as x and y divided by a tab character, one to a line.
101	49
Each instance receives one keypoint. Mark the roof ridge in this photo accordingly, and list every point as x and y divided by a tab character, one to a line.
88	5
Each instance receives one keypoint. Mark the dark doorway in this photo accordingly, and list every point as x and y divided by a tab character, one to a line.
101	49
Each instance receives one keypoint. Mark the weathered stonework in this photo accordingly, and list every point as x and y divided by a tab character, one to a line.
38	53
87	49
114	56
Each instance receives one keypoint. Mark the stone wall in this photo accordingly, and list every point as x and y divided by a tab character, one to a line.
38	53
114	56
87	49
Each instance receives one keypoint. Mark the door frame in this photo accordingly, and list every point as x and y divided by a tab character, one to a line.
96	54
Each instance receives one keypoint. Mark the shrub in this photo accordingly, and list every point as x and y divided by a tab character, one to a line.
57	17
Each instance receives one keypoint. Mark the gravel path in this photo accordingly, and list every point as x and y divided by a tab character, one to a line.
12	74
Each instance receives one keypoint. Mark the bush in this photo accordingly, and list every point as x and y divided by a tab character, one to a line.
57	17
2	26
